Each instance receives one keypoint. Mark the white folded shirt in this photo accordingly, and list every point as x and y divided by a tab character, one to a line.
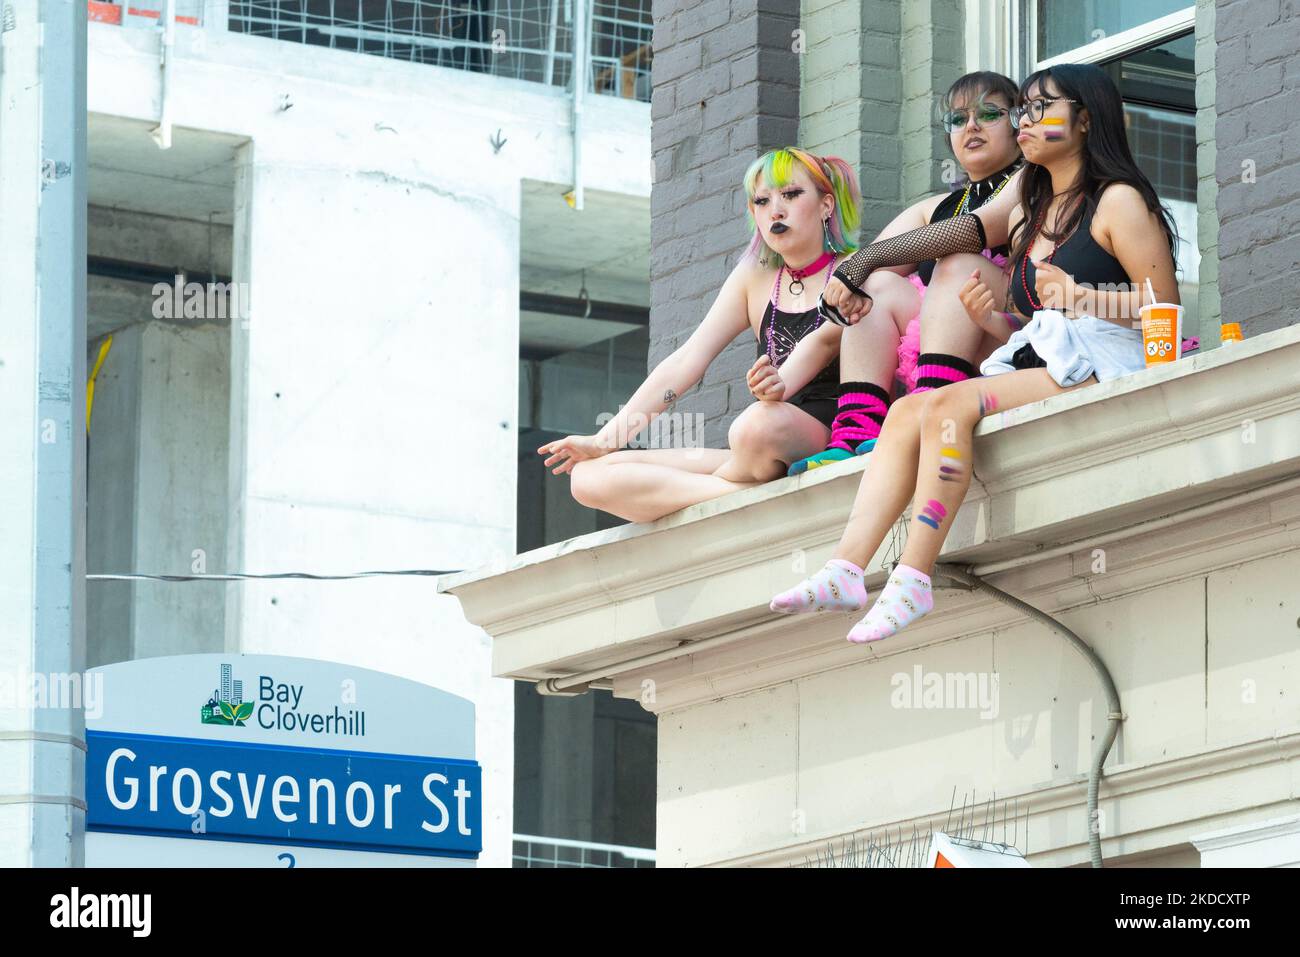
1073	348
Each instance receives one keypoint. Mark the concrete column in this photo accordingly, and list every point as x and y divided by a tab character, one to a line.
42	434
933	55
376	374
852	96
158	490
113	471
216	15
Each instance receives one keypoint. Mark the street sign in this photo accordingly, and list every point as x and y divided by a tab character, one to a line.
247	760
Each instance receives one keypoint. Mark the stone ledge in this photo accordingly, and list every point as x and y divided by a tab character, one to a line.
1080	464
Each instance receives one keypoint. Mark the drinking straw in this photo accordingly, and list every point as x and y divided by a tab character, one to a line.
1150	292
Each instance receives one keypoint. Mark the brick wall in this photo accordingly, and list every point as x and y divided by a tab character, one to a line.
1206	322
933	55
1257	105
869	79
726	88
852	89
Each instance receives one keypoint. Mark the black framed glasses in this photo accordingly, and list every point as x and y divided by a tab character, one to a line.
1035	109
955	120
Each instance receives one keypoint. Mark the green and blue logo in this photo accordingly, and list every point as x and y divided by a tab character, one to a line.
226	705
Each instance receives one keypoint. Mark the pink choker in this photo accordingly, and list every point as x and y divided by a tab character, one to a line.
797	275
812	267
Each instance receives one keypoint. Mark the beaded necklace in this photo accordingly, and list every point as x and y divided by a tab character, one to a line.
961	205
776	303
1024	265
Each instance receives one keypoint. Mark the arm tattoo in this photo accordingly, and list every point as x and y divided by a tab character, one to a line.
670	397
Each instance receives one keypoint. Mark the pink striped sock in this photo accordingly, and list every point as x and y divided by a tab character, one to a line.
862	410
934	370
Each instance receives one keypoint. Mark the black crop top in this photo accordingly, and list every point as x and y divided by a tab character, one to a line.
981	192
790	330
1079	256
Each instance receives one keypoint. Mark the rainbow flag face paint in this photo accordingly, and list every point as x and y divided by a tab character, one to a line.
950	467
1052	133
988	403
932	514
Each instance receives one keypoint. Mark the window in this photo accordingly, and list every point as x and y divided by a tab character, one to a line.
1065	25
1148	48
1158	85
523	39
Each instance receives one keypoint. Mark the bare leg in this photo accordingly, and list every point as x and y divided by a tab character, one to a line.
945	327
869	350
920	435
986	347
944	472
616	483
642	486
767	437
643	492
898	473
887	482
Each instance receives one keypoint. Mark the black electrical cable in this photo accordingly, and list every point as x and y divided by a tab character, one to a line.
242	576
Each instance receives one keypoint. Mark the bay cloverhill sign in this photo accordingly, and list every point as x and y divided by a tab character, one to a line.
221	759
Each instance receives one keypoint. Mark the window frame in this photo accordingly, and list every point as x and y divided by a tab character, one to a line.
1152	33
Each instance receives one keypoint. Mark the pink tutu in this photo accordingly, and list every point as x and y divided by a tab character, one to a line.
909	346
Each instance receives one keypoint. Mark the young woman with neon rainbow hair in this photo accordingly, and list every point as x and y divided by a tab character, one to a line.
776	167
803	213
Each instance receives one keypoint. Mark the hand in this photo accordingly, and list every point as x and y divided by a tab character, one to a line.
1054	287
852	307
765	381
571	450
976	296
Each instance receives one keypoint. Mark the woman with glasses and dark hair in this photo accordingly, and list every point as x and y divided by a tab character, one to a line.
937	346
1087	234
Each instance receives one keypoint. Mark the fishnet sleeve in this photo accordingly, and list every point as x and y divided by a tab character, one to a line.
962	234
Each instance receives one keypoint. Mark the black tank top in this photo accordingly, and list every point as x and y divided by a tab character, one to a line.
1079	256
980	193
790	329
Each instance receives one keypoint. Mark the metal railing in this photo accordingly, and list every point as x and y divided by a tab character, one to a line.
521	39
533	851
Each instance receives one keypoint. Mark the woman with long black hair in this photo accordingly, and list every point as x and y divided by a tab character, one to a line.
1087	234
